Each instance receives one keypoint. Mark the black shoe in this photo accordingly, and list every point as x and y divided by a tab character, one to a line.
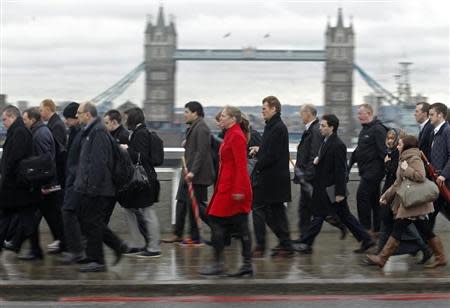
283	253
303	248
71	258
365	245
427	253
133	250
119	253
93	267
245	270
55	251
30	256
215	269
344	232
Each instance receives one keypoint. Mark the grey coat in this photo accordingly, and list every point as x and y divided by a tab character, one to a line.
198	153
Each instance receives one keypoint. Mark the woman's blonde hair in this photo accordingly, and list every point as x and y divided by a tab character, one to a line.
241	119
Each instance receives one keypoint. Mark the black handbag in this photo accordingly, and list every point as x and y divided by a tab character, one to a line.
140	180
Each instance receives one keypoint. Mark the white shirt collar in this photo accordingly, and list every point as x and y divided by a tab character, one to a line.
309	124
422	125
438	127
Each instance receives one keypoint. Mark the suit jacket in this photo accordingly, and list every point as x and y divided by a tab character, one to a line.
198	153
273	183
307	150
440	152
425	138
331	170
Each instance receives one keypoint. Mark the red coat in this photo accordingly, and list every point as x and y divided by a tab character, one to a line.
233	177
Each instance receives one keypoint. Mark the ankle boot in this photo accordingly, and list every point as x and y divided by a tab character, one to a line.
389	248
215	269
245	270
438	249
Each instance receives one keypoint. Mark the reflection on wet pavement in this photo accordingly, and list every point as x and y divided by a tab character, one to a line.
331	259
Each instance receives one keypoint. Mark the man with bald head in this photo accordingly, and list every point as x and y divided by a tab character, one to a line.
94	183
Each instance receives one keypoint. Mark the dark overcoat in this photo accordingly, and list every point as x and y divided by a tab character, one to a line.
307	150
94	171
331	170
18	146
271	173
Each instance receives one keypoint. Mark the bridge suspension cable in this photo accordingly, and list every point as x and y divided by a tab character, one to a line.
120	86
390	98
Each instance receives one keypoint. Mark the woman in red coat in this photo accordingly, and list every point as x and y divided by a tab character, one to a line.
232	199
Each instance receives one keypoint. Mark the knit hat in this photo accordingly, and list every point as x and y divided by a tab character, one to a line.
71	110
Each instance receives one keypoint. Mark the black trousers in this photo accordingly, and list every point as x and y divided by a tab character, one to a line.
423	226
93	215
304	211
367	199
23	222
411	240
274	215
48	207
184	207
72	228
109	237
343	212
222	226
440	206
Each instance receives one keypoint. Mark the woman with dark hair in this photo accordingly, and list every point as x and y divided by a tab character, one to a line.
232	198
410	168
139	150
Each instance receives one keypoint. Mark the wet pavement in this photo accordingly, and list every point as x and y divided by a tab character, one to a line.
332	268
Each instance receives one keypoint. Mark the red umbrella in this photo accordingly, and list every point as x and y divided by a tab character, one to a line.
194	202
443	189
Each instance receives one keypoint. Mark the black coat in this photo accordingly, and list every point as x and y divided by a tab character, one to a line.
18	146
307	150
370	151
94	171
272	177
43	141
390	169
140	146
73	155
425	138
59	131
440	152
121	135
331	170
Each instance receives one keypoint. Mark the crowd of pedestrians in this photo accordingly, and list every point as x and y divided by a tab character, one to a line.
72	173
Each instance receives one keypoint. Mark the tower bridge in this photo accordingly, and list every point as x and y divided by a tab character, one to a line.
162	54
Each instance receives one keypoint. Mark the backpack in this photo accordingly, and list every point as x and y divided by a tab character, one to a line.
122	170
156	150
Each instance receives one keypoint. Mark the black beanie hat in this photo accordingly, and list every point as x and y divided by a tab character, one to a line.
71	110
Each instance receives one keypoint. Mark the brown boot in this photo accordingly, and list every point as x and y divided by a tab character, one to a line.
438	249
389	248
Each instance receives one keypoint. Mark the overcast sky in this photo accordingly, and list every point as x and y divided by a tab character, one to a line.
75	49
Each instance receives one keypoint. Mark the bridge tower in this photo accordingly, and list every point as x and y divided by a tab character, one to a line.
339	50
159	47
